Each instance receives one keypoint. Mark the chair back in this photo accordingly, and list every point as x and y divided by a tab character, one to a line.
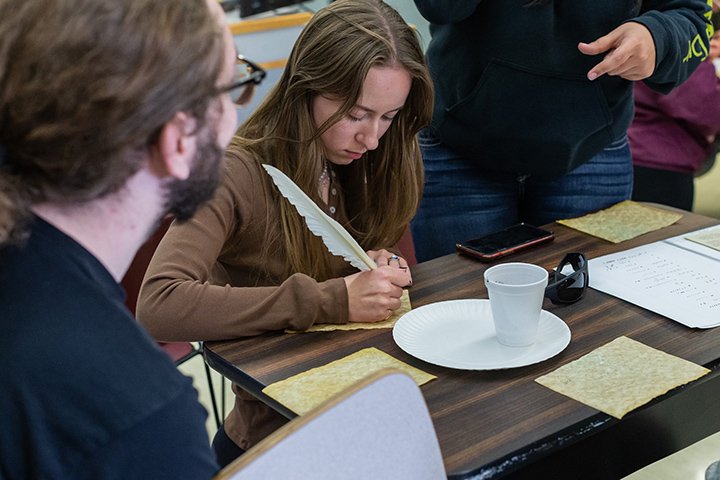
133	278
379	428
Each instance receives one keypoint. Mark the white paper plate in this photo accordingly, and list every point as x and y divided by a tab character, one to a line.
460	334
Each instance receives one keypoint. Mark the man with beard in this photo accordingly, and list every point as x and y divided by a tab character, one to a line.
112	114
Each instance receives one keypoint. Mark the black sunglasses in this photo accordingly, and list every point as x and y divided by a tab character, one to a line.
569	287
247	75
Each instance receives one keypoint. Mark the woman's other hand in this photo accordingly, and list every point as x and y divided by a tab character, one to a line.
383	257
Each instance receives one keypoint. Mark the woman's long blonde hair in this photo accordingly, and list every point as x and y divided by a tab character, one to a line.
332	57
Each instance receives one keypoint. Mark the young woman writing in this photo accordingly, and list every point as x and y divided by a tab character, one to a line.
342	124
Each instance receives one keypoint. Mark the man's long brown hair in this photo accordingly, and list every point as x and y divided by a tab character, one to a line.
332	56
86	86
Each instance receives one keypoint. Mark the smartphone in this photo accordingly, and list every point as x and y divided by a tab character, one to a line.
500	244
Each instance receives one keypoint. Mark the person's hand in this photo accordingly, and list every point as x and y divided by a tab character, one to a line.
384	257
374	294
631	53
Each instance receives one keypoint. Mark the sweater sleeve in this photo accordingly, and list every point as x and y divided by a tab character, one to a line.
186	296
681	30
446	11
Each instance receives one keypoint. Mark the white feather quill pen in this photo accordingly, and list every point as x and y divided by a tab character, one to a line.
333	235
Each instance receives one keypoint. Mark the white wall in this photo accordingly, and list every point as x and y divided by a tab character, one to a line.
406	8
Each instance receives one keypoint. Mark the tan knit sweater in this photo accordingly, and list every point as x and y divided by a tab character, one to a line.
211	278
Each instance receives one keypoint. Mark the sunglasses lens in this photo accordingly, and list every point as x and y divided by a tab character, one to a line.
572	288
570	280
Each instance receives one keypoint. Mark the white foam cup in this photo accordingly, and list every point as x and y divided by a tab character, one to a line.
516	292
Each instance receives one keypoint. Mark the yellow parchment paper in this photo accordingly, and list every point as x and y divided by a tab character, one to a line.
307	390
621	376
389	323
623	221
709	238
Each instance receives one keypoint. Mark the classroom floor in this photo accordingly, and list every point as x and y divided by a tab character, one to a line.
194	368
707	192
687	464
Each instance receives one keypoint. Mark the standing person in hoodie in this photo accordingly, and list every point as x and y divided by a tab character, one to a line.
533	102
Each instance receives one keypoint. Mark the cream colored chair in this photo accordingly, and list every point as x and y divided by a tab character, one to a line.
378	429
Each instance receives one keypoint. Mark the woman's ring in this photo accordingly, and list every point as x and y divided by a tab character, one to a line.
393	257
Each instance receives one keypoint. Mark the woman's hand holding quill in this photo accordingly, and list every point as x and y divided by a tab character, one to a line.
370	300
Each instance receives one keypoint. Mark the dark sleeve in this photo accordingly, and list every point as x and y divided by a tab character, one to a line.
171	443
681	30
446	11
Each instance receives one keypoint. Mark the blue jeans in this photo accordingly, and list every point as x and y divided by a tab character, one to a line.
462	201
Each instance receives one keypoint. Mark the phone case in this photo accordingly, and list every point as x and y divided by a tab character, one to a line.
510	249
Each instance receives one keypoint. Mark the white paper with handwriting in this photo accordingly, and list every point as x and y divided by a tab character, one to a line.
677	278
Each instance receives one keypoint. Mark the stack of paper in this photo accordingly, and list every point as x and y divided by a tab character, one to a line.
678	277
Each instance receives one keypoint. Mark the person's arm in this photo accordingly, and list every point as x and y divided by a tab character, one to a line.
177	302
696	103
446	11
681	30
662	46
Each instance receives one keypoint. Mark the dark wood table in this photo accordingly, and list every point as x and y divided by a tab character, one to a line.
502	423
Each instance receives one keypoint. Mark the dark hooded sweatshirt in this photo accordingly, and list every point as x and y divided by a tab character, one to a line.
511	84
